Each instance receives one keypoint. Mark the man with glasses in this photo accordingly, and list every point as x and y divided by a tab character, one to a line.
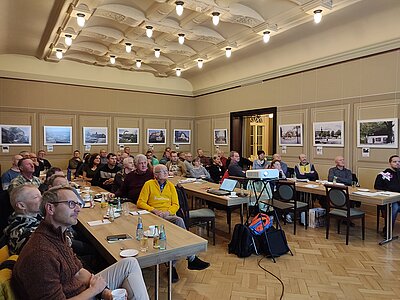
159	196
47	267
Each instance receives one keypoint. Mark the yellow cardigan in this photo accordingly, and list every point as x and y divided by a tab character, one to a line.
151	198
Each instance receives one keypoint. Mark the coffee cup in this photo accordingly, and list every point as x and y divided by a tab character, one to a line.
152	229
119	294
233	194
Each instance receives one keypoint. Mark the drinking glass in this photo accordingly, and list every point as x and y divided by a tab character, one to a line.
144	245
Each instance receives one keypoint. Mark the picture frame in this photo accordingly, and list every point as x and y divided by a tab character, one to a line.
182	136
16	135
57	135
156	136
127	136
95	135
377	133
291	135
328	134
221	137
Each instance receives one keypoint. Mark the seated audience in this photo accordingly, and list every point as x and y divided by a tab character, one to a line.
34	159
74	162
26	176
159	196
234	169
25	154
340	173
188	161
166	156
151	160
222	157
44	164
127	150
90	169
105	174
305	170
47	267
205	160
198	171
216	169
284	166
103	157
276	164
52	171
175	166
11	173
83	165
260	162
128	167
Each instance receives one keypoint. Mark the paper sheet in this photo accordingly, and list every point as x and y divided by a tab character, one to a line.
142	212
99	222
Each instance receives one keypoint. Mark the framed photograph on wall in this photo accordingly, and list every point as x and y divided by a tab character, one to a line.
127	136
156	136
57	135
16	135
181	136
220	136
291	135
382	133
95	135
328	134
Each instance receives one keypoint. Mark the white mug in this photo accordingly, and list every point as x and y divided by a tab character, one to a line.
119	294
233	193
152	229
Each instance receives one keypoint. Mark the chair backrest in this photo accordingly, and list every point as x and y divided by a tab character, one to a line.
287	190
355	179
338	197
183	211
290	172
5	210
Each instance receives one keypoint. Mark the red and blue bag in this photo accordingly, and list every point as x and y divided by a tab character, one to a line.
260	223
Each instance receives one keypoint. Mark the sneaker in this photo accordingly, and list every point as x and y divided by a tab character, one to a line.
289	219
197	264
175	276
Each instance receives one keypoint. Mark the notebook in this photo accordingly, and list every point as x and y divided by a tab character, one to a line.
227	186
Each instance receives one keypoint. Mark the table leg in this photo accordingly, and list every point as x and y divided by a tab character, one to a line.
228	219
170	280
241	213
156	281
389	226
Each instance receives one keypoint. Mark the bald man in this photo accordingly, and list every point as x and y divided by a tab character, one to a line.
339	171
11	173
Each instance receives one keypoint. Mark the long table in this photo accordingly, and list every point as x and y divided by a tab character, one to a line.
180	243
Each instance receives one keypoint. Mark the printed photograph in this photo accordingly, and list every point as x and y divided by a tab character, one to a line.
57	135
95	135
328	134
291	135
127	136
156	136
381	133
181	136
16	135
220	136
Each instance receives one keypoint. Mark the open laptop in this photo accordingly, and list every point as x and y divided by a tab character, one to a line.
227	186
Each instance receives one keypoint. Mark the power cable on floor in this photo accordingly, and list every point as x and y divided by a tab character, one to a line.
280	281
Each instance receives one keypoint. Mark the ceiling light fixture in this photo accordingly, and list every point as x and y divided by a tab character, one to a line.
215	18
181	38
80	19
200	63
228	52
59	53
138	63
266	36
149	31
178	72
157	52
68	39
179	7
112	59
317	15
128	47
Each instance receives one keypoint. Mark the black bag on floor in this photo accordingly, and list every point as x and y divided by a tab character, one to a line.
273	242
243	243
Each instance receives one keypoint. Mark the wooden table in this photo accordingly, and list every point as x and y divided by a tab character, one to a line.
180	242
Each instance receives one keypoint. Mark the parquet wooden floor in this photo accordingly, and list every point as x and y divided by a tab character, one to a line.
319	269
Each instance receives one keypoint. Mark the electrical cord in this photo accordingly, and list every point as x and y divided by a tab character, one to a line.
280	281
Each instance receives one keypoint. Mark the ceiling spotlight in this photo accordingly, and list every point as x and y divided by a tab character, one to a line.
178	72
149	31
266	36
228	51
157	52
128	47
112	59
215	18
181	38
59	53
179	7
200	63
317	15
68	39
80	19
138	63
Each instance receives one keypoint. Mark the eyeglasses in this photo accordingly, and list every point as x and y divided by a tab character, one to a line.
71	204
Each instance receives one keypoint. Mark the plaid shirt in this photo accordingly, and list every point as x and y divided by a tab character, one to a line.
20	180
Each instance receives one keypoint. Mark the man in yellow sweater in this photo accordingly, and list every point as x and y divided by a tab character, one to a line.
159	196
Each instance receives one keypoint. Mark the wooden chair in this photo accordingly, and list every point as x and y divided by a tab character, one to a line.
338	206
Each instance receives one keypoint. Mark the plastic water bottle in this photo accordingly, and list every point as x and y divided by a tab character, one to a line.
156	238
139	228
163	238
111	216
119	207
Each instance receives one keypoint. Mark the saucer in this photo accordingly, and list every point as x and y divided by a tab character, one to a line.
129	253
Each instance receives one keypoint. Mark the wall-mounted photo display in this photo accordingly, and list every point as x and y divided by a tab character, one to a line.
156	136
57	135
328	134
16	135
291	135
382	133
95	135
127	136
220	136
181	136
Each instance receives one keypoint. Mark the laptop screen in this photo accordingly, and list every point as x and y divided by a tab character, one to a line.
228	185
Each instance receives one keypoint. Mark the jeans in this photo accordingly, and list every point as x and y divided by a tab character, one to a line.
395	211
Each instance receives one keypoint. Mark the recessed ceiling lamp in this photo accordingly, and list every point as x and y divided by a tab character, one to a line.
228	52
215	18
128	47
200	63
80	19
68	39
157	52
59	53
149	31
178	72
181	38
317	15
266	36
112	59
179	7
138	63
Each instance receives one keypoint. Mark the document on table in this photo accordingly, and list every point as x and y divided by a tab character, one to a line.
99	222
369	194
141	212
